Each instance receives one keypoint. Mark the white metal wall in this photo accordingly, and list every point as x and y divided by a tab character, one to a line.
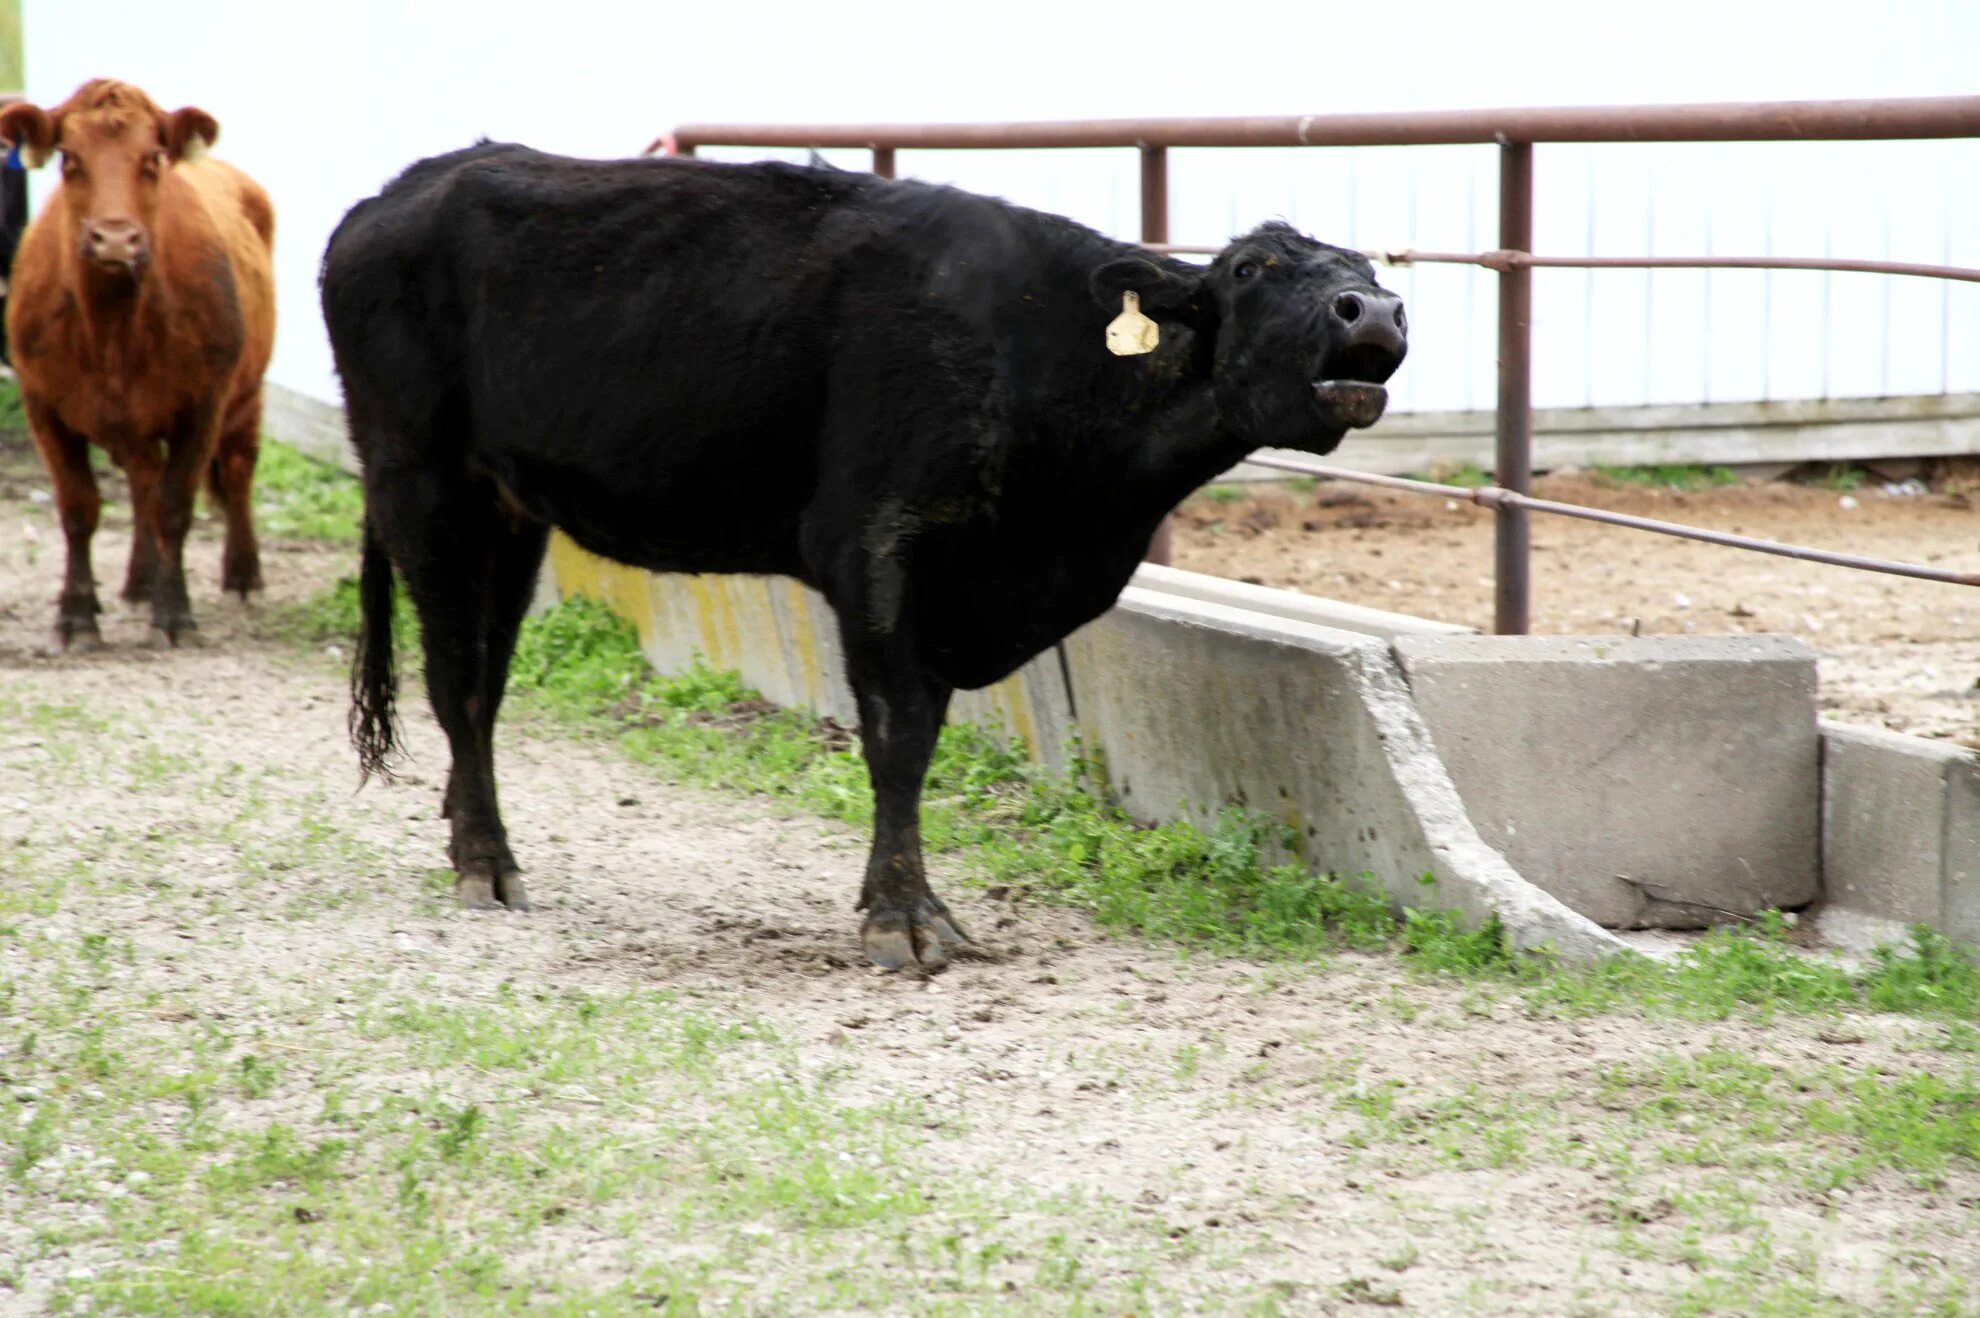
325	102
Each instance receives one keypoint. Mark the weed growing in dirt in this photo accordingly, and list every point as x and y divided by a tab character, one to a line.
299	497
1841	476
1034	833
1222	493
332	616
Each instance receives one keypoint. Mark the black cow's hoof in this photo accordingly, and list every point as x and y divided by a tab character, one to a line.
509	888
892	943
480	891
476	892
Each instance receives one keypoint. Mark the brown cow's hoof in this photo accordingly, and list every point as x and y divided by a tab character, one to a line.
241	581
76	637
892	944
479	891
169	630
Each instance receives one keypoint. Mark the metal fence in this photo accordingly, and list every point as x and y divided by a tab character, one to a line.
1515	132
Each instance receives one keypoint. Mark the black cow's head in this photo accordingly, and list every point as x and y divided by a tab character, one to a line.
1305	337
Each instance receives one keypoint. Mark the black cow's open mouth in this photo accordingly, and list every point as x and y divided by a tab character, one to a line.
1351	404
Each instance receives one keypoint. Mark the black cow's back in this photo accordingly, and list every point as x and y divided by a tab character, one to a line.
692	366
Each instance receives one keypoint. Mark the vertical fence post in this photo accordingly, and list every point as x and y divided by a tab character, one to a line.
1514	468
1155	229
883	161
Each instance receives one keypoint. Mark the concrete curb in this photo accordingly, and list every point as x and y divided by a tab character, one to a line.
1901	836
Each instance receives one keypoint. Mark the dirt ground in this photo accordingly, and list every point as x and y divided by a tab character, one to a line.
1893	652
1207	1135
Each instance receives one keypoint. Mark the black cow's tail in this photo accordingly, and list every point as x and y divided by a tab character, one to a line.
374	683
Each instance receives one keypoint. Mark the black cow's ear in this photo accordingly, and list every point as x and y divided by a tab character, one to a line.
1167	294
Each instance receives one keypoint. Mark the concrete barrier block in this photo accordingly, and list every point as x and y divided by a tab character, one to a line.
1658	781
1291	604
1959	872
1884	815
1195	705
1900	832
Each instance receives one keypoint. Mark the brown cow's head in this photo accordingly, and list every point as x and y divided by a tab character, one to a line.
116	145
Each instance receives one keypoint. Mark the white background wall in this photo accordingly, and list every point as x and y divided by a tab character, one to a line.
325	101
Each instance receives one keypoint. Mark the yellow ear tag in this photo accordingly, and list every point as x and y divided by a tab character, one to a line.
1131	334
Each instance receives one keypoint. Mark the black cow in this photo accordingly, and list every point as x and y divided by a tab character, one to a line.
896	392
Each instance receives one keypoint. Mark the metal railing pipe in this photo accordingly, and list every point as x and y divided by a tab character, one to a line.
1512	558
1764	121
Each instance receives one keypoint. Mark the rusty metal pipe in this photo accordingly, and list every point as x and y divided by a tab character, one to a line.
1506	260
1761	121
1155	233
1512	574
1498	498
883	161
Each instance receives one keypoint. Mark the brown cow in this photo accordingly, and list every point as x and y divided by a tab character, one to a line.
141	314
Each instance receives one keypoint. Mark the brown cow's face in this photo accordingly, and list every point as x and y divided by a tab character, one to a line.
116	147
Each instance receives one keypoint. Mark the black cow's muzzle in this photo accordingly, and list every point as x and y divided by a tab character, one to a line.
1373	335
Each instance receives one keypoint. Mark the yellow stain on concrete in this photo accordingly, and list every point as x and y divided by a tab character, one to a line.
804	644
1010	699
715	619
622	589
736	618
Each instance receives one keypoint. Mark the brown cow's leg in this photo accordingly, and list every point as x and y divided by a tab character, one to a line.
231	481
900	712
187	452
141	574
66	456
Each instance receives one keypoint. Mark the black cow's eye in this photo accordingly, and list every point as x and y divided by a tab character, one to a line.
1245	270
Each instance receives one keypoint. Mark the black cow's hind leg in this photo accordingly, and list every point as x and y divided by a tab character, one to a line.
452	547
901	713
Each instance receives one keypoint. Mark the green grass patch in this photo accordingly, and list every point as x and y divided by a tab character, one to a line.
13	415
411	1154
297	497
1674	476
1467	474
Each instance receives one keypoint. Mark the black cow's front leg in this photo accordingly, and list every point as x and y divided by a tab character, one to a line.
901	712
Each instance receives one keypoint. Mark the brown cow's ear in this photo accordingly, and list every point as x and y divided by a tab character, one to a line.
30	128
188	132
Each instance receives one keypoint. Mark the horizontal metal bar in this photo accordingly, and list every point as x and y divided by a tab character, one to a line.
1495	498
1503	261
1761	121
